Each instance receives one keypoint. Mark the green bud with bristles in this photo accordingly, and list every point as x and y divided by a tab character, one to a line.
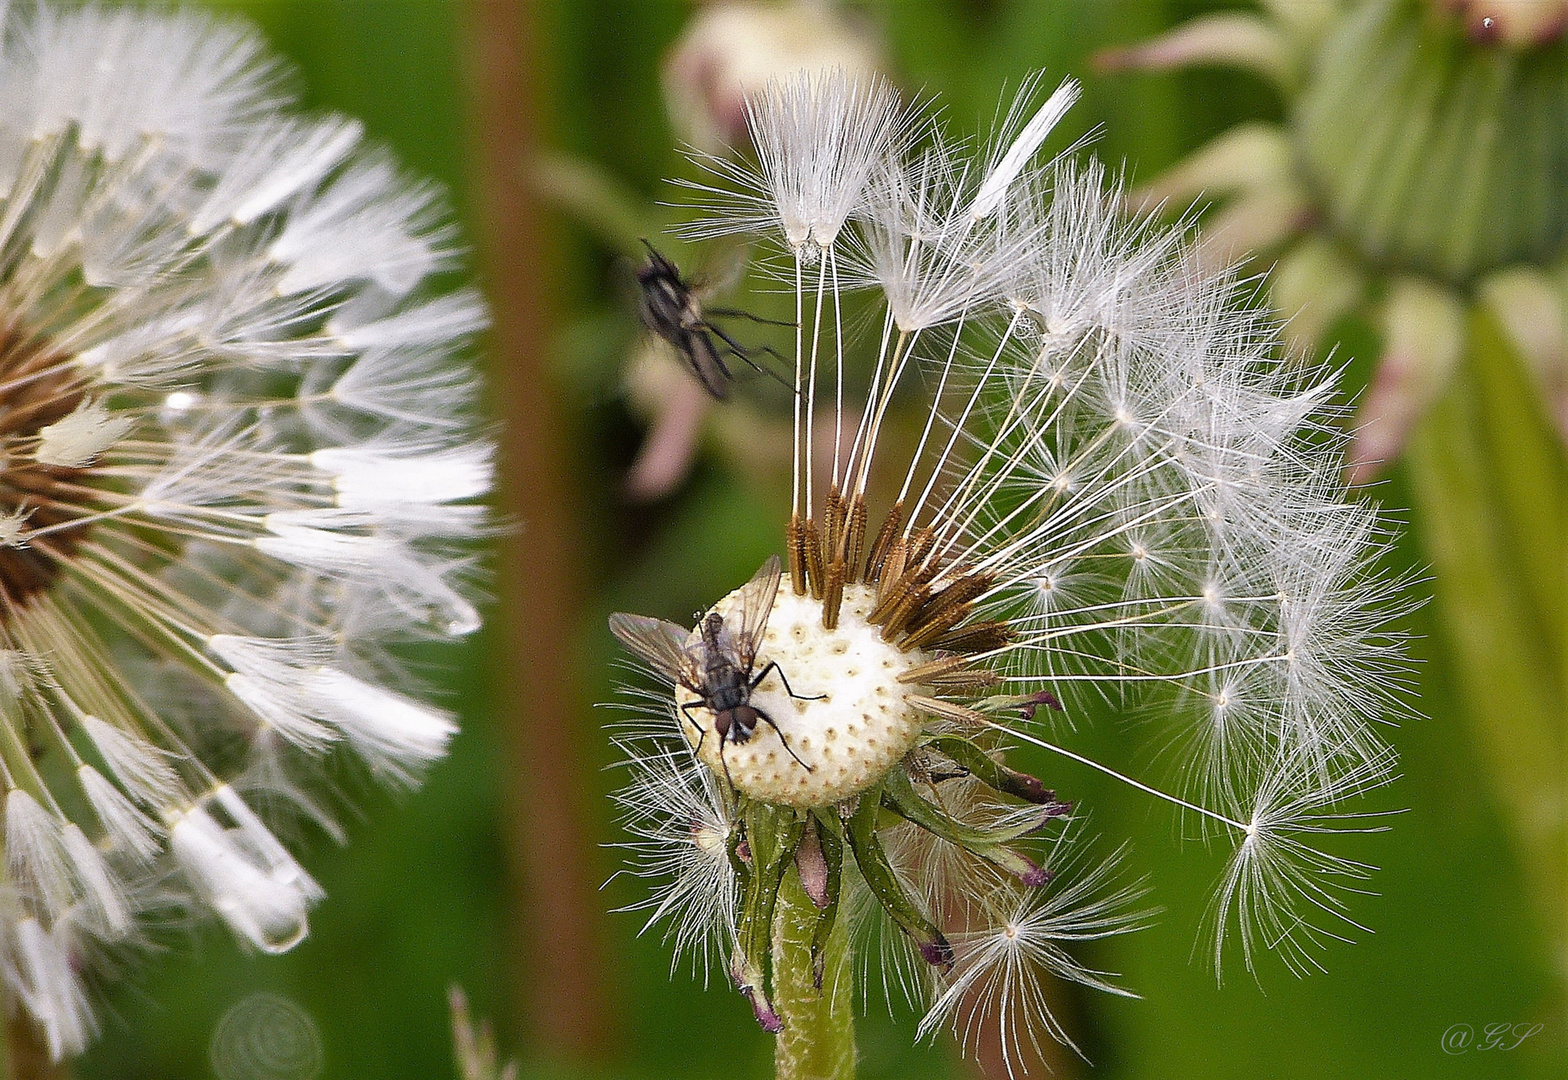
1433	152
990	772
899	796
885	886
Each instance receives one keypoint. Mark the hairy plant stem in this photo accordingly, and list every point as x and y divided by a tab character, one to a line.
818	1040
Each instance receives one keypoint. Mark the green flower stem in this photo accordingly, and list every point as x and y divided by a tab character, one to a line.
818	1040
1480	536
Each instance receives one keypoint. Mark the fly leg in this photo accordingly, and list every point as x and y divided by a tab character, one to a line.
773	665
737	313
705	362
746	353
782	739
686	712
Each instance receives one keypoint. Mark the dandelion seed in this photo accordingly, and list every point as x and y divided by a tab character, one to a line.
1121	501
13	526
1286	895
1000	177
683	835
81	435
240	470
819	139
998	978
49	988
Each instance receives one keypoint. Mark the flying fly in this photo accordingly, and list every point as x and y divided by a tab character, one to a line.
670	307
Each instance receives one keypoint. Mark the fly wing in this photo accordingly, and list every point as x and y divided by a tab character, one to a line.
721	276
756	604
659	644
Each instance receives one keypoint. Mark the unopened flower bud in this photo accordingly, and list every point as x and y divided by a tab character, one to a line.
732	50
1519	23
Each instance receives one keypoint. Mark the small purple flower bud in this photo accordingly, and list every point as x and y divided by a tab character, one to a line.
1030	787
1036	877
937	953
765	1015
1044	697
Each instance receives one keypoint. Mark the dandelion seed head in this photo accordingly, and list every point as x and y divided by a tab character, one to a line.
1121	503
216	323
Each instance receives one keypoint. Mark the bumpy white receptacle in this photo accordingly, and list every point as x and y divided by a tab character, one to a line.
847	739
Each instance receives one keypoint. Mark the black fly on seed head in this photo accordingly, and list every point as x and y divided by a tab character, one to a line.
671	307
718	666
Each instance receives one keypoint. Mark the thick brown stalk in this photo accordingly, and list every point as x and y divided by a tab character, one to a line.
555	917
26	1055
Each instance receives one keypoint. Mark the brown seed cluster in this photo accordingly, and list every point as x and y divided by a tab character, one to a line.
37	388
923	601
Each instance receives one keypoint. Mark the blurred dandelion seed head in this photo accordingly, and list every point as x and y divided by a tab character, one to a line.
239	465
1122	500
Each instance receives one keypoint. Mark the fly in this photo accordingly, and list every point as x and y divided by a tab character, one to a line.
670	307
718	666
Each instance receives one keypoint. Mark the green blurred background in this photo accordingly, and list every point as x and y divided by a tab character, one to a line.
429	890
